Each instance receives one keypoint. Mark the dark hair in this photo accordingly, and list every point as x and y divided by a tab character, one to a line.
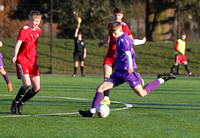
118	10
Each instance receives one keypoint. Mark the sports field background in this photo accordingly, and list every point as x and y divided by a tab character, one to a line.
172	110
151	58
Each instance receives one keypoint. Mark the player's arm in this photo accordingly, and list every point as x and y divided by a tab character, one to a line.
85	52
16	50
130	61
130	36
176	47
77	29
1	44
139	42
105	41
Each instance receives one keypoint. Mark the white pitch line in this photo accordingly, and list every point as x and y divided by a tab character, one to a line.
54	114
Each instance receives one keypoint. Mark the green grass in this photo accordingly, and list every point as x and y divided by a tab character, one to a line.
151	58
172	110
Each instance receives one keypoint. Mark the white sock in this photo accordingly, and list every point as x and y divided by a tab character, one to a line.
93	110
161	80
106	97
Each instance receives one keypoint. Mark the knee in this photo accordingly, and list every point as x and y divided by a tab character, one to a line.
27	86
2	71
99	89
107	75
142	94
37	89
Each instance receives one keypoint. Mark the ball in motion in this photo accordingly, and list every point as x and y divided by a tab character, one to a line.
102	110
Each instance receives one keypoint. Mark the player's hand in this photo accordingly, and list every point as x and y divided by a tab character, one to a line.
188	49
13	60
130	70
144	39
100	44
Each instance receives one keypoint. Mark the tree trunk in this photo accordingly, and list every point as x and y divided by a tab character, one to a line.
160	20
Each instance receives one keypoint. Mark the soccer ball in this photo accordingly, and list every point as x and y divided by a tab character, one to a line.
102	110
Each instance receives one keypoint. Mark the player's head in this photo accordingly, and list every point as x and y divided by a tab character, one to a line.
118	14
116	29
183	36
79	36
34	19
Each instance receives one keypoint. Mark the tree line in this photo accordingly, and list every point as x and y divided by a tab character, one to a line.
160	16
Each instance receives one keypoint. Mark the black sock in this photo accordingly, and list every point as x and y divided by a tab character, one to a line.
186	67
173	67
75	69
28	95
20	94
82	69
106	93
177	71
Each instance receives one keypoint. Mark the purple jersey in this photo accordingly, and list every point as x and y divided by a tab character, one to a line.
1	61
124	43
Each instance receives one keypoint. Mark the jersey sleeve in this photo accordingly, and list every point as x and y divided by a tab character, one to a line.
126	30
22	35
126	45
176	47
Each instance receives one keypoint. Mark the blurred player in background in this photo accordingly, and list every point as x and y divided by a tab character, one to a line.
25	57
79	50
3	72
124	71
110	59
180	55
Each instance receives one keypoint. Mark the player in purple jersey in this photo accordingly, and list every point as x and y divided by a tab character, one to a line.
3	72
124	71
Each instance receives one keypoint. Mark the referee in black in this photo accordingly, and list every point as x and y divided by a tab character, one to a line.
79	50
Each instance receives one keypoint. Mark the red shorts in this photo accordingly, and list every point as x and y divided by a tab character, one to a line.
109	61
27	69
180	58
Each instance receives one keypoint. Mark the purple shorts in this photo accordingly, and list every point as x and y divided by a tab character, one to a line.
1	61
121	76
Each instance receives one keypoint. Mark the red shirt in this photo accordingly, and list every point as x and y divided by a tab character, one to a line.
28	50
112	43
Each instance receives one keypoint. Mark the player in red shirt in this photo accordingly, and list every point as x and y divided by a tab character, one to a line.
25	57
110	59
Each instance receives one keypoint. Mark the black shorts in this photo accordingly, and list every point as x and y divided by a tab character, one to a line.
78	57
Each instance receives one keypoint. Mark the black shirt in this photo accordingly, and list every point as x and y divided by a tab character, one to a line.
79	45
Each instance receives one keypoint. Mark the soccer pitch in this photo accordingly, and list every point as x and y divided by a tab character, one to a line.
172	110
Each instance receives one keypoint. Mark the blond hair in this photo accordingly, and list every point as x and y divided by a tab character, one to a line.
115	26
35	14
